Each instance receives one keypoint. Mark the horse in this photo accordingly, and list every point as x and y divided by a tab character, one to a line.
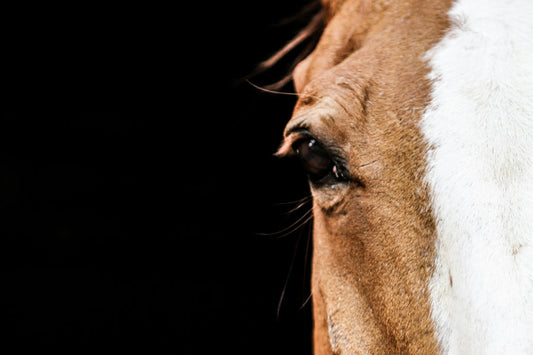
414	124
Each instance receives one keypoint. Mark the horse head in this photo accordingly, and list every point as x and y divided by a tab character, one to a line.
414	124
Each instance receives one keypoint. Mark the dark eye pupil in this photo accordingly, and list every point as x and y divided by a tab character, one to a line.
314	158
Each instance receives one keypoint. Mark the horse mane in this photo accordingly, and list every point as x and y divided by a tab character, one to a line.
313	14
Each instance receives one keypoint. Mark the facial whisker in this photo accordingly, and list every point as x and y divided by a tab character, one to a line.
306	217
286	283
303	203
306	300
300	200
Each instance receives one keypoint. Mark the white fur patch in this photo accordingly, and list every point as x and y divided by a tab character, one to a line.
479	126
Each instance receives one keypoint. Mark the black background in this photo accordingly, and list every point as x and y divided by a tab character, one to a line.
142	207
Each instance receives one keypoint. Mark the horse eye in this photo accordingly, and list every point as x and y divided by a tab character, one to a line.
315	159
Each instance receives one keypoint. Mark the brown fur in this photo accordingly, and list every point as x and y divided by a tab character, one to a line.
364	89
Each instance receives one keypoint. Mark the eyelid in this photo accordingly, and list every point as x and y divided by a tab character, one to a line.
298	132
336	154
292	137
285	149
297	124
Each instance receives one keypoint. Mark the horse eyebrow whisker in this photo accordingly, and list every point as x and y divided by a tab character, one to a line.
271	91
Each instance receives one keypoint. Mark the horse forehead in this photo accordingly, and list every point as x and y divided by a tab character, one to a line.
345	20
363	37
